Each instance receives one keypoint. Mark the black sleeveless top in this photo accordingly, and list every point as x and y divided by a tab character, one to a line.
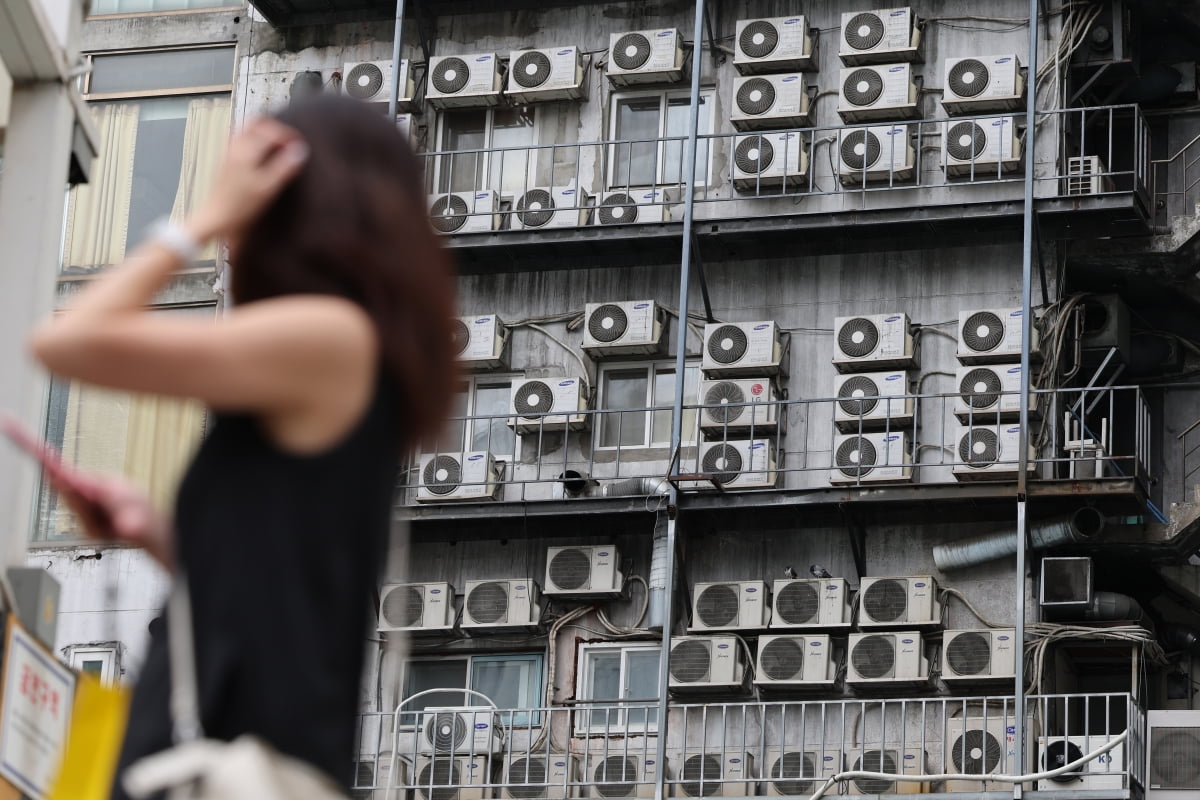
282	553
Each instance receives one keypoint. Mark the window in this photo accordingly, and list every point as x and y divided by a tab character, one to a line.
638	387
508	172
613	674
510	681
163	118
654	127
99	661
136	6
146	438
482	396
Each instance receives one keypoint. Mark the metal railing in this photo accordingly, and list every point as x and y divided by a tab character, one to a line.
1178	179
741	749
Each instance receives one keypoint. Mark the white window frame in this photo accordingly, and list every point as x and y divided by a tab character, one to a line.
108	655
583	720
605	414
511	720
708	96
470	383
488	135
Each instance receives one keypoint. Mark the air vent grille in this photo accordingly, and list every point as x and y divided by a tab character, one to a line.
531	71
451	75
403	606
718	605
976	752
756	96
980	388
979	447
874	656
856	457
535	397
524	777
460	336
759	39
571	569
488	602
723	462
726	398
968	78
876	761
535	208
1175	758
886	600
790	766
754	154
858	337
969	654
364	81
966	141
449	213
864	31
854	388
631	51
862	87
443	776
701	775
608	323
615	776
447	731
690	661
442	475
618	208
798	603
782	659
983	331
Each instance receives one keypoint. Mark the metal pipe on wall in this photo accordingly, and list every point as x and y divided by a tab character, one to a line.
1079	526
397	43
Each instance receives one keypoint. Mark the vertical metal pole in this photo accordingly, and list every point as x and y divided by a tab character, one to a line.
397	42
681	329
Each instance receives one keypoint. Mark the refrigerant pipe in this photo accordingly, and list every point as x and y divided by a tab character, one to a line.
1079	526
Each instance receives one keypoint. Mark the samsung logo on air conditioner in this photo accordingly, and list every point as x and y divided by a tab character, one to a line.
482	195
567	191
894	317
1016	313
651	196
893	437
762	327
482	59
483	320
898	13
790	79
1014	430
640	306
566	52
792	20
1000	123
569	382
896	69
661	34
893	377
758	445
1003	60
474	457
1014	370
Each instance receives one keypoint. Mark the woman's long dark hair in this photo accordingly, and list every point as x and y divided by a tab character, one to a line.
354	224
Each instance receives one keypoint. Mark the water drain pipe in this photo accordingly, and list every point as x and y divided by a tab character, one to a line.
1078	526
656	609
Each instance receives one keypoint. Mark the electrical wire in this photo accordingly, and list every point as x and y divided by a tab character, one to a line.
970	607
1045	634
583	376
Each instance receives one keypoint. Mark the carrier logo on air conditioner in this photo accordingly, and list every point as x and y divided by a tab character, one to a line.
602	555
1002	638
735	761
751	589
722	647
435	591
919	585
481	726
520	588
906	641
814	644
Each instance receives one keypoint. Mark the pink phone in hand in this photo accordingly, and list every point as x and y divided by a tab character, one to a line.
24	439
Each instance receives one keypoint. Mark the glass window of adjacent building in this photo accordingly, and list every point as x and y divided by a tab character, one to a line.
513	682
650	130
101	7
163	118
644	395
102	662
623	677
480	418
488	132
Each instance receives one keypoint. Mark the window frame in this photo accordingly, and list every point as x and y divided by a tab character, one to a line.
511	720
708	94
471	384
583	720
489	130
652	369
110	657
166	12
85	80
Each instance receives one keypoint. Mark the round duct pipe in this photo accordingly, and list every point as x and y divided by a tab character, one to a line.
573	482
656	607
1078	526
631	487
1105	607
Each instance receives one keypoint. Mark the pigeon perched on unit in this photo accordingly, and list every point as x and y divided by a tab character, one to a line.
788	572
817	571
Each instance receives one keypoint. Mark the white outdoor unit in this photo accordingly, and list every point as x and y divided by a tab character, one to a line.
416	607
460	730
990	390
777	159
654	56
706	663
810	603
983	745
878	154
737	349
548	404
891	760
885	34
623	774
884	92
551	207
872	400
740	405
886	657
1172	755
370	82
1104	773
992	335
871	458
795	660
730	605
633	327
910	600
626	207
1087	175
870	342
971	657
589	571
983	83
480	342
792	771
406	125
450	477
981	148
551	73
511	603
540	776
465	212
464	81
772	44
764	102
743	464
453	777
989	452
723	773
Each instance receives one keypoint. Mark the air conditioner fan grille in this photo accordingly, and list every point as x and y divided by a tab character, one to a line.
754	155
449	213
718	605
976	752
863	31
886	600
1058	753
728	344
856	457
451	75
863	87
858	337
608	323
447	731
980	388
631	51
966	141
727	398
442	475
690	661
798	603
1175	758
860	149
758	39
968	78
488	602
535	208
616	776
983	331
570	569
876	761
460	336
874	656
534	397
701	775
403	606
618	208
364	81
979	447
524	777
790	766
782	659
858	395
439	779
531	70
969	654
756	96
723	462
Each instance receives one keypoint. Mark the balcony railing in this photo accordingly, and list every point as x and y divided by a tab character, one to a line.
741	749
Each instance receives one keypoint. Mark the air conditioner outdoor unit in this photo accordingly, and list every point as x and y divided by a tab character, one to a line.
882	35
584	571
548	404
872	400
891	760
872	342
464	81
406	125
981	148
910	600
481	342
992	335
416	607
1172	744
706	663
773	44
724	773
540	777
654	56
878	154
988	391
738	349
871	458
810	603
792	771
743	464
627	207
795	660
1103	773
989	453
971	657
511	603
453	777
370	82
886	657
778	159
633	327
885	92
739	406
551	207
460	730
1087	175
985	744
730	605
983	83
372	776
769	101
465	212
627	775
551	73
449	477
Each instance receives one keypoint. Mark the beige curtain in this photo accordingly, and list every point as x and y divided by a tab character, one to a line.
98	212
204	139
